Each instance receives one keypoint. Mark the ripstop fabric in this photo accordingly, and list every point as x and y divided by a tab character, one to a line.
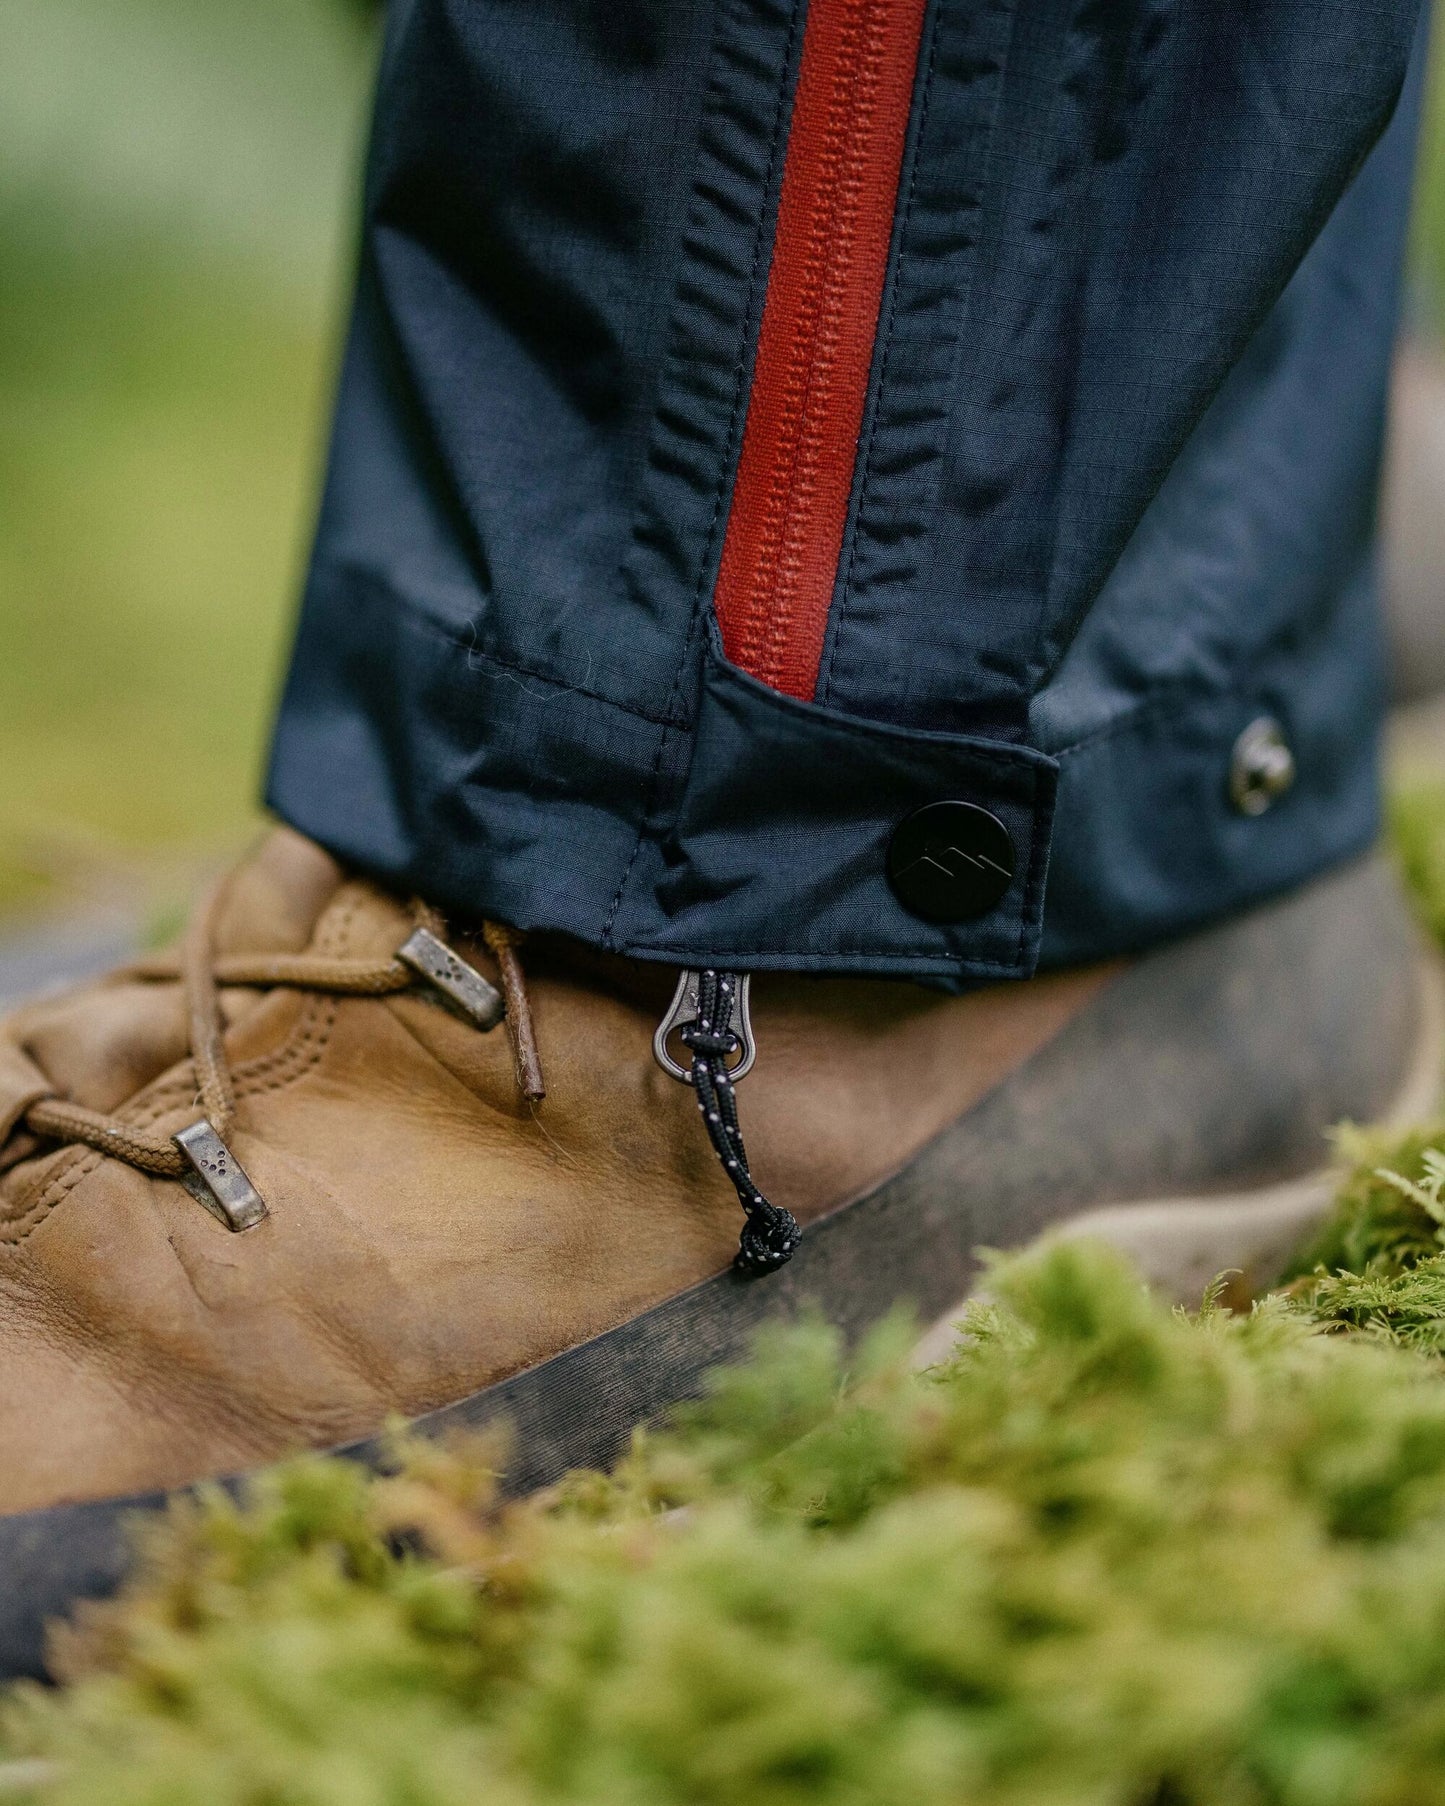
1113	496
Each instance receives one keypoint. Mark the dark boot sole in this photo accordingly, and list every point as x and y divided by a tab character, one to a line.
1180	1114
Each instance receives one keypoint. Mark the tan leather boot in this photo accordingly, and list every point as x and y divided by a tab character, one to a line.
266	1195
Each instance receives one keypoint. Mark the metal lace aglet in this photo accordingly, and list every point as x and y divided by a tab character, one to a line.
431	959
684	1010
218	1180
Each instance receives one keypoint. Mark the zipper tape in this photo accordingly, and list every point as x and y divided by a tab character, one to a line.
815	346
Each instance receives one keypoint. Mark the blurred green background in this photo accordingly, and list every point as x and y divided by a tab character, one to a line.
177	183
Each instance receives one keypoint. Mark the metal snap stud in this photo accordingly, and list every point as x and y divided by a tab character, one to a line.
1261	767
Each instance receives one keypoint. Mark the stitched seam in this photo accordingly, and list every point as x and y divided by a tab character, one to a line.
305	1056
1038	840
374	589
807	961
72	1171
161	1104
302	1056
1023	761
725	466
474	655
303	1048
297	1055
964	299
1243	663
306	1043
842	724
1038	854
888	341
1151	704
516	668
1010	765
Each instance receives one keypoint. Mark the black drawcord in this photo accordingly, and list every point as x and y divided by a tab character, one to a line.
770	1234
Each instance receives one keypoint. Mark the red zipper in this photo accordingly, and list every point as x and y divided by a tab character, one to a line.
815	346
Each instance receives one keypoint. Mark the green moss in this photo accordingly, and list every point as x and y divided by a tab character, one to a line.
1106	1554
1381	1222
1378	1264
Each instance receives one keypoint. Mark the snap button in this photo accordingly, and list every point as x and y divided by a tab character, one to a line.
950	862
1261	767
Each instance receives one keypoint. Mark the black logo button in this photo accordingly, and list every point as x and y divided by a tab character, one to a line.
950	862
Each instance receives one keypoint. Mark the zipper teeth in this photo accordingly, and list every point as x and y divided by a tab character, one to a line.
840	180
814	342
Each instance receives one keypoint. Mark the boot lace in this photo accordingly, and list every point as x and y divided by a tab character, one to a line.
203	974
200	1156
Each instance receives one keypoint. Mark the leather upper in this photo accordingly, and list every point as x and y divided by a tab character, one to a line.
429	1231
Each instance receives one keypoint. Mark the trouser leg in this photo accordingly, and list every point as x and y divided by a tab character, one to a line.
829	488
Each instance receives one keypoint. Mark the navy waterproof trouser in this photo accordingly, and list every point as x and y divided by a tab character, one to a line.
765	421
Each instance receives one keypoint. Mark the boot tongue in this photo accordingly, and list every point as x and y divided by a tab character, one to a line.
274	901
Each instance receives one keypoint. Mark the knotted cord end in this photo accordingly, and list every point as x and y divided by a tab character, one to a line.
771	1235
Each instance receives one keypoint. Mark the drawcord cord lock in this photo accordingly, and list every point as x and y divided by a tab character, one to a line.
709	1015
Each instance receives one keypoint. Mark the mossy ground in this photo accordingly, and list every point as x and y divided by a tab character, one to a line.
1109	1554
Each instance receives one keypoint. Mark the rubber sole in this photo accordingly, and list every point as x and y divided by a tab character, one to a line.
1181	1245
1179	1115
